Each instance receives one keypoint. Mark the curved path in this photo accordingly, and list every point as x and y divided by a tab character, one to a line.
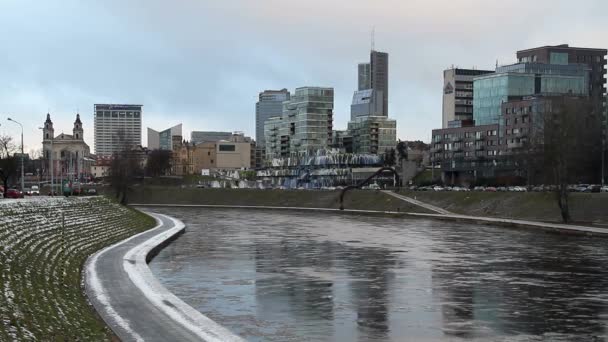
133	303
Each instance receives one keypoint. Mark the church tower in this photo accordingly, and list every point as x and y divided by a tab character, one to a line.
48	133
78	132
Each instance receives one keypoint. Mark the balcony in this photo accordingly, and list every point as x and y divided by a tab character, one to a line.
515	145
479	147
456	139
479	138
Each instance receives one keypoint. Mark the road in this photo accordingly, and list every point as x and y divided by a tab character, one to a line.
134	304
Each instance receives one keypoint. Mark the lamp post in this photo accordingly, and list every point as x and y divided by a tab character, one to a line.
52	165
22	154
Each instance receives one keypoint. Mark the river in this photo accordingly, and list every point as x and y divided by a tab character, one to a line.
303	276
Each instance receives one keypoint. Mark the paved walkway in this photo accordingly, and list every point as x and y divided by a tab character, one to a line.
133	303
418	203
444	214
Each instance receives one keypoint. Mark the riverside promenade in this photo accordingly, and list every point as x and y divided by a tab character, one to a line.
133	303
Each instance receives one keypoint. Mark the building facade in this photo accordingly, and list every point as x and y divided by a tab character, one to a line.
373	134
270	104
594	59
163	140
366	102
525	79
116	127
70	155
379	76
457	107
198	137
305	126
364	76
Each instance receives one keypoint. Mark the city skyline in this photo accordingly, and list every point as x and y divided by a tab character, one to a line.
179	67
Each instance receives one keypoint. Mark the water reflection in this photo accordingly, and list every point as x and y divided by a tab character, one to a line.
288	276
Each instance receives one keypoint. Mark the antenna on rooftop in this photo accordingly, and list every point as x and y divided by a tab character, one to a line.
373	38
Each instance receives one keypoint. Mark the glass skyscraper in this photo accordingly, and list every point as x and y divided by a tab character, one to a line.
525	79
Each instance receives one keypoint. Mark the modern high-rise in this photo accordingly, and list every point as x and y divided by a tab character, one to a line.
116	126
304	127
525	79
365	76
163	140
374	75
457	105
270	104
366	102
563	54
372	134
379	76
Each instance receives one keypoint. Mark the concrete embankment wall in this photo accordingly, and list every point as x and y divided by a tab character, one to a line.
354	199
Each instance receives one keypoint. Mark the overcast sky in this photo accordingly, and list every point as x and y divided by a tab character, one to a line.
203	62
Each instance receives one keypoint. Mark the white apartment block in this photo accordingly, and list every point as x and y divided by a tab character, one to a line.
111	121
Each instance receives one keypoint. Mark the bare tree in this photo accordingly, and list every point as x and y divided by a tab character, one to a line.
562	147
124	168
159	162
7	146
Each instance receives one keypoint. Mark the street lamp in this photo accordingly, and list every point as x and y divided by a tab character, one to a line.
52	165
22	154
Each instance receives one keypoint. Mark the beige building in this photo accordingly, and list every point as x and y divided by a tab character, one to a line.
234	154
71	156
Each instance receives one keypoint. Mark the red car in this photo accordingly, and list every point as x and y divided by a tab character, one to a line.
13	193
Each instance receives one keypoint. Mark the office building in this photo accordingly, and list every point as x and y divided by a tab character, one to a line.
374	75
563	54
304	127
379	76
366	102
370	131
270	104
372	134
365	76
116	127
457	105
511	107
525	79
164	140
198	137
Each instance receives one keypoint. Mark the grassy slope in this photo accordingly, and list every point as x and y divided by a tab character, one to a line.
537	206
354	199
40	264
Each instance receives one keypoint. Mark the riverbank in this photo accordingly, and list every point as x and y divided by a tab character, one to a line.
44	243
354	199
585	208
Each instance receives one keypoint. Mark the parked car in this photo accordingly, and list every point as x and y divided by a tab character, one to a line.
490	189
13	193
438	188
582	188
594	188
479	188
35	190
604	188
501	189
92	192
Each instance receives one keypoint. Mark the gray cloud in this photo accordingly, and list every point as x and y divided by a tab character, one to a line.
203	62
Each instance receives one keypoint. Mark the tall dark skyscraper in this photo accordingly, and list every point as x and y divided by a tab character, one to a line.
379	76
374	75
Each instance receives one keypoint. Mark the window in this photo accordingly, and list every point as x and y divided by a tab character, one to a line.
227	148
507	122
515	121
494	132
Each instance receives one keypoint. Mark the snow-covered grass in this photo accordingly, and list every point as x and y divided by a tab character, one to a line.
43	246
